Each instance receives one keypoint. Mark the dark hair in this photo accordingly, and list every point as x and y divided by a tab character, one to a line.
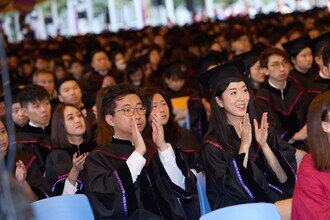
318	140
264	57
32	93
218	119
114	94
97	51
171	129
173	71
63	80
104	131
40	72
4	122
59	134
326	56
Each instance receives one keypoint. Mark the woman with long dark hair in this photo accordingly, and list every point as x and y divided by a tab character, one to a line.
71	141
310	198
243	161
180	138
27	172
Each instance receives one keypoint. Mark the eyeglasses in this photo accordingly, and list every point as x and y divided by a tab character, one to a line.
129	111
277	65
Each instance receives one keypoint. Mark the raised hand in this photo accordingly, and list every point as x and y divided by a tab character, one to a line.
137	139
158	130
246	134
20	172
261	133
78	162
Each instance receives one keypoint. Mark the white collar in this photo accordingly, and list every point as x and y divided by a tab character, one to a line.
36	126
272	85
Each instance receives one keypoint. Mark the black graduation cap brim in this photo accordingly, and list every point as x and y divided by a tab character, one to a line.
295	46
232	69
316	44
250	57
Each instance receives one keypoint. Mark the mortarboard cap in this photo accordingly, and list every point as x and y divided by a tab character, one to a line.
232	69
295	46
316	44
249	58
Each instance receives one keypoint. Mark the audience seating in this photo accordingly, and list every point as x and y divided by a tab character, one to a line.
73	207
201	189
253	211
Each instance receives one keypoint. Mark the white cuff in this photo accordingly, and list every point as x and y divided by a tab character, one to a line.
135	164
69	189
167	156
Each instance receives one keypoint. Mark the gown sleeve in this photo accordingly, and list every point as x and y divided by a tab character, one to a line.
228	182
109	186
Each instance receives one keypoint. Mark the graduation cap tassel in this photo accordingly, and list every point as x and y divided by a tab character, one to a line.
8	210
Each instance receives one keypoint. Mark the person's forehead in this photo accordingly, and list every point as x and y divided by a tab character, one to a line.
275	57
130	99
44	76
69	83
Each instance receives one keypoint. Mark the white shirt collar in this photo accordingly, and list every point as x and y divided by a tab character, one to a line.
272	85
36	126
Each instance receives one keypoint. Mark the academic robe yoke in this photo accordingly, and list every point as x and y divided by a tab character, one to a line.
112	193
34	176
59	164
228	182
35	141
287	115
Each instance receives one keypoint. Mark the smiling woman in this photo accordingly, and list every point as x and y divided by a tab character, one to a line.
70	136
243	161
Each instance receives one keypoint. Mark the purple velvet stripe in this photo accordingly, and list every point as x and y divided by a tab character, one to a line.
295	173
121	186
241	181
64	178
59	180
274	187
283	134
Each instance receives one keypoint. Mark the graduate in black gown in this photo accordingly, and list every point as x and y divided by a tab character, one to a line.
71	141
34	137
284	99
321	82
244	161
26	170
127	175
181	139
326	62
302	58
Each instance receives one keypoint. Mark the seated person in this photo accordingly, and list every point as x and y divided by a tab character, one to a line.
244	161
285	100
34	137
126	174
310	199
27	171
71	141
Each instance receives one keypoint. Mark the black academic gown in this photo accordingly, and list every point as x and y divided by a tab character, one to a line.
34	176
113	195
287	116
228	182
304	78
59	164
318	85
188	148
35	141
197	117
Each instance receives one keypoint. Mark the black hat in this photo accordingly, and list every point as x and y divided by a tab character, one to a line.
249	58
295	46
211	78
319	42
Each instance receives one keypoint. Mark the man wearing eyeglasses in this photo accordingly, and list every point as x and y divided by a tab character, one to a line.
284	99
123	179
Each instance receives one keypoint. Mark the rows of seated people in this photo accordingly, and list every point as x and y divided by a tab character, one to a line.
130	118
